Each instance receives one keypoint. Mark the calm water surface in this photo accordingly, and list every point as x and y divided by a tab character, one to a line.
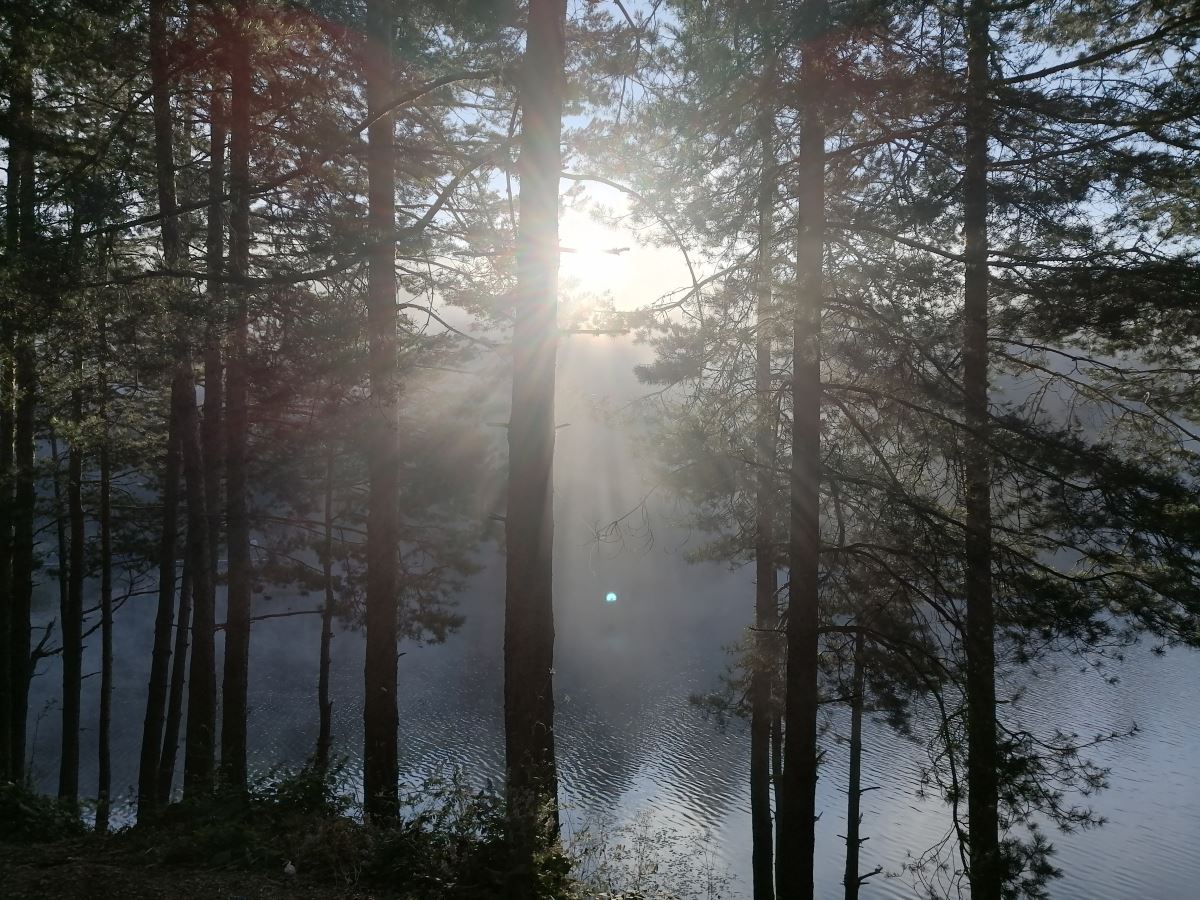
630	745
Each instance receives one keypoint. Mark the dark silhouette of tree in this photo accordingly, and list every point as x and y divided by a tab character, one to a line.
380	719
532	787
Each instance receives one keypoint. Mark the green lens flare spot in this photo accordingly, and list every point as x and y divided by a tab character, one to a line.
610	597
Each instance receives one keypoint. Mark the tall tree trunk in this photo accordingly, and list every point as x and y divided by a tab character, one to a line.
237	628
766	577
211	429
21	171
165	776
72	615
6	505
104	754
797	811
986	873
852	880
169	536
324	704
8	326
198	763
529	524
380	764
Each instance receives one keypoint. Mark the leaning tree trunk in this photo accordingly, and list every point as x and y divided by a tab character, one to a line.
797	810
104	742
532	789
982	753
168	548
72	614
165	776
160	654
237	523
766	577
380	718
324	704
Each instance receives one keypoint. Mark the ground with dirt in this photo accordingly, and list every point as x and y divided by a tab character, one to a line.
99	869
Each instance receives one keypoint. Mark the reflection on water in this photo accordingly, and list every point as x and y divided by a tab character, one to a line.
628	741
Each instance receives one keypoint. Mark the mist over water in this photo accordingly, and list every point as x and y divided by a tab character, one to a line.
629	742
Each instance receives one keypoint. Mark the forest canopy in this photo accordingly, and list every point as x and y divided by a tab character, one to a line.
289	295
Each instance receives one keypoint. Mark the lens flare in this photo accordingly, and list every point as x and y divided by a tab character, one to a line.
610	597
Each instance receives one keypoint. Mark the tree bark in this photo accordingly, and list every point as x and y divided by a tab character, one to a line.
380	718
211	428
12	237
776	765
797	810
237	523
766	577
202	687
72	613
6	504
24	510
104	751
532	783
21	170
165	776
198	762
986	873
160	654
62	552
851	879
324	704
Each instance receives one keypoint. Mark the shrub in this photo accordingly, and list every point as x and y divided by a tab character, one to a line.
26	817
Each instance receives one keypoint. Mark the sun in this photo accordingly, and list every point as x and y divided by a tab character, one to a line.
593	258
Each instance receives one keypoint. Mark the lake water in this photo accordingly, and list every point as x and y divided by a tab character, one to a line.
629	743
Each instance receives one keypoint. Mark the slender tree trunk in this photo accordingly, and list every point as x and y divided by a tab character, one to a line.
168	541
160	655
72	616
24	508
986	873
165	776
21	171
766	577
211	429
797	811
851	879
62	543
776	763
104	790
202	683
324	704
380	764
198	760
8	325
529	524
237	628
6	504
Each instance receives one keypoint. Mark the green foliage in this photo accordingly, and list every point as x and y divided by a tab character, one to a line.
26	817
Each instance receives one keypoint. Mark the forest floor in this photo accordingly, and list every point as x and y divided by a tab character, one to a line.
98	869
